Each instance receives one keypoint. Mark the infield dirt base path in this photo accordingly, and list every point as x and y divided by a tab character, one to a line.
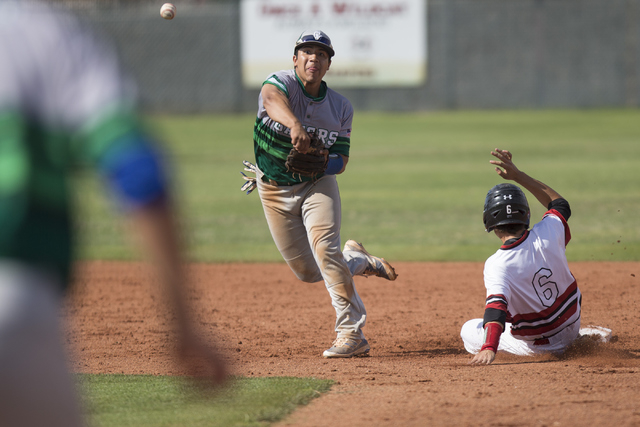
270	324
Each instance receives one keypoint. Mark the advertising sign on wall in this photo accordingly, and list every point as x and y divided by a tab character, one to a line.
377	43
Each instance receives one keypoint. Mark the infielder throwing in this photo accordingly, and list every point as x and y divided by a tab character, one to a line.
533	301
296	181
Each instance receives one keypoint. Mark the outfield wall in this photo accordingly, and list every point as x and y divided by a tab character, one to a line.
481	54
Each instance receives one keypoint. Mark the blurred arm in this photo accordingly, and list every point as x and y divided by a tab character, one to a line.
157	226
136	174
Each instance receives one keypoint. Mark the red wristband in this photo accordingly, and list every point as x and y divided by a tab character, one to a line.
492	332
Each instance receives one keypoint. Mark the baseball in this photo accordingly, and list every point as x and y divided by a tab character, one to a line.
168	11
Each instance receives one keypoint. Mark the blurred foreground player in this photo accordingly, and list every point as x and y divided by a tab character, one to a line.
63	103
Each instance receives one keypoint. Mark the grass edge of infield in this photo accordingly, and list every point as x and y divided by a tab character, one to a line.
150	400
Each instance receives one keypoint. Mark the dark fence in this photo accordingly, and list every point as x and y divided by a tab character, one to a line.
481	54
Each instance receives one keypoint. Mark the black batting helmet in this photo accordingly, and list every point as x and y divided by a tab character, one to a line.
505	204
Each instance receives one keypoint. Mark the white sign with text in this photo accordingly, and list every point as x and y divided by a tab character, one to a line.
377	43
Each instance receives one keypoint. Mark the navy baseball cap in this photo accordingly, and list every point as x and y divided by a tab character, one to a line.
315	37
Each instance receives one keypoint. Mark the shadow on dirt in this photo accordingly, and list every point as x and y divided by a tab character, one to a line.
431	352
587	348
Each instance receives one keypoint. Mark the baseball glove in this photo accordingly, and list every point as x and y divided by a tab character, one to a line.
310	164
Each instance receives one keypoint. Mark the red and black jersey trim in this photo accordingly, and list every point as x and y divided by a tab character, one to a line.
495	310
567	232
496	301
566	306
510	244
562	206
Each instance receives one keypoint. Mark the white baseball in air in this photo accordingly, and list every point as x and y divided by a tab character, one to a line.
168	11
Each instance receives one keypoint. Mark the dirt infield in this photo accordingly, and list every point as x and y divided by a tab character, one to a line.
270	324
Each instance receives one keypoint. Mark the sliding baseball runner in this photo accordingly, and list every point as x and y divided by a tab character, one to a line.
533	302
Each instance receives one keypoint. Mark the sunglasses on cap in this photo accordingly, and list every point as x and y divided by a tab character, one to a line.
316	37
311	38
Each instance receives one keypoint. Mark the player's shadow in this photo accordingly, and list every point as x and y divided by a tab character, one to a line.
511	359
585	347
430	352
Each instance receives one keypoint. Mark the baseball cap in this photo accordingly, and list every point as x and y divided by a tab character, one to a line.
315	37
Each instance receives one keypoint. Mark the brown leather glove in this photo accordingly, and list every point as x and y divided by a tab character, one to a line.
312	163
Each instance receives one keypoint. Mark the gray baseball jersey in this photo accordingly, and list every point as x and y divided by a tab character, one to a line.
330	114
293	233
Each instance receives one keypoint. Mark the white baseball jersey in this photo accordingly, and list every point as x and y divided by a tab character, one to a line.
530	280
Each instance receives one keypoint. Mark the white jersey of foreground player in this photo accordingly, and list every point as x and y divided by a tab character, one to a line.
54	80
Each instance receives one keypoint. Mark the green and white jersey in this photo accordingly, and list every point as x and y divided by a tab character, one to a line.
331	114
63	102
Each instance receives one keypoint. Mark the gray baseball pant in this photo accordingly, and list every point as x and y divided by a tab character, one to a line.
304	220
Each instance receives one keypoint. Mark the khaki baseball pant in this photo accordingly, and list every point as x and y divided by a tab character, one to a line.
304	220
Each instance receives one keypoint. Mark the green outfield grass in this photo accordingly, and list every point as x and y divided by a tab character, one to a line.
413	191
414	187
150	401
